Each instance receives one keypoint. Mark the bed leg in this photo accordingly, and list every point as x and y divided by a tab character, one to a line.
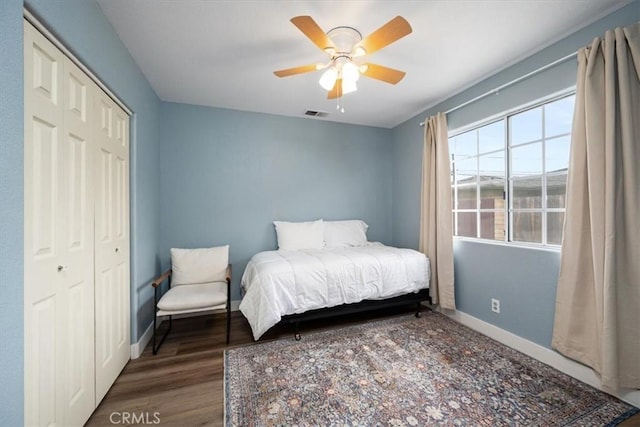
297	335
418	312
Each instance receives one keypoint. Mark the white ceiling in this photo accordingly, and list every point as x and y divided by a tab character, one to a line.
223	53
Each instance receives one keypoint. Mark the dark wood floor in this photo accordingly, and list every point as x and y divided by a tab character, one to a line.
183	384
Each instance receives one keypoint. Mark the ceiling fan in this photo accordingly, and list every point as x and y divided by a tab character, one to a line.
345	46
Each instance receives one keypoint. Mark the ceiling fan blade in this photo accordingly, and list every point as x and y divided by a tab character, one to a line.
336	92
393	30
295	70
386	74
308	26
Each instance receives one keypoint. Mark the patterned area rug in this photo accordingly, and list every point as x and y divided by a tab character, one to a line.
405	372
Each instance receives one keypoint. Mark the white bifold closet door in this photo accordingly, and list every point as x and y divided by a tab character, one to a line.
111	243
76	313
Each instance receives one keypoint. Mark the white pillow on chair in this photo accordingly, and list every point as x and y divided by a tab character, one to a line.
202	265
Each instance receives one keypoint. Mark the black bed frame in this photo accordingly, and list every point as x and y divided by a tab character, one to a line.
366	305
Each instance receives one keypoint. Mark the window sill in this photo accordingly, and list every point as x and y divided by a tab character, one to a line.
521	245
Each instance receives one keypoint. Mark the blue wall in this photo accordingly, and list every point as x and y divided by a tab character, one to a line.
226	175
524	279
82	27
11	213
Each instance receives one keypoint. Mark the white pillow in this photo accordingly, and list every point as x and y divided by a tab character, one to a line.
293	236
345	233
202	265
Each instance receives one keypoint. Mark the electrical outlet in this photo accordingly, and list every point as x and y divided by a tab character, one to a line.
495	305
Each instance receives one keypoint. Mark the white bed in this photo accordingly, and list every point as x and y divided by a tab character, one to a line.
285	282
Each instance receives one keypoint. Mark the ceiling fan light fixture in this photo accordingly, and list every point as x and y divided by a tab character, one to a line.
348	86
328	79
344	44
331	51
350	72
359	51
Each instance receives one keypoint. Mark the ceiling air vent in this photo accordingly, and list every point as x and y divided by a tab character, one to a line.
313	113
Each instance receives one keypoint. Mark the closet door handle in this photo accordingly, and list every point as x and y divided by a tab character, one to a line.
62	268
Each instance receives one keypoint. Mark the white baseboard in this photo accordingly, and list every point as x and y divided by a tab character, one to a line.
138	347
543	354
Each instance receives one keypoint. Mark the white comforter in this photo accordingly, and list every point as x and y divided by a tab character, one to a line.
278	283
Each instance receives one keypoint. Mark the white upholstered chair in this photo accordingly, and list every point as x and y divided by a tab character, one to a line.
199	281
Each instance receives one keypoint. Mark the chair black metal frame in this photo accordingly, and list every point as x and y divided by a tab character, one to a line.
157	282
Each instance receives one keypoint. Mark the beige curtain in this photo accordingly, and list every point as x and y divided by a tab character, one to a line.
436	231
597	318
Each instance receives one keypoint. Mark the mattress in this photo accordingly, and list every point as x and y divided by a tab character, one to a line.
280	283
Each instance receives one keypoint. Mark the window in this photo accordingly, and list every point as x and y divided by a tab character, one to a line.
509	176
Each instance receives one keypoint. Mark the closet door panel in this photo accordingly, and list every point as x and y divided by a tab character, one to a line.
121	232
104	274
59	276
78	245
112	244
43	181
42	407
43	235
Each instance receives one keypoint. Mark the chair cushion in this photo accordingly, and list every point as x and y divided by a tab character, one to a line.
194	297
202	265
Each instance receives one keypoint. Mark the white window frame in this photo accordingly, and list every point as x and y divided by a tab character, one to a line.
508	210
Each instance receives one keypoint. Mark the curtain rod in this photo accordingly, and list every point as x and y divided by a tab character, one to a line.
512	82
